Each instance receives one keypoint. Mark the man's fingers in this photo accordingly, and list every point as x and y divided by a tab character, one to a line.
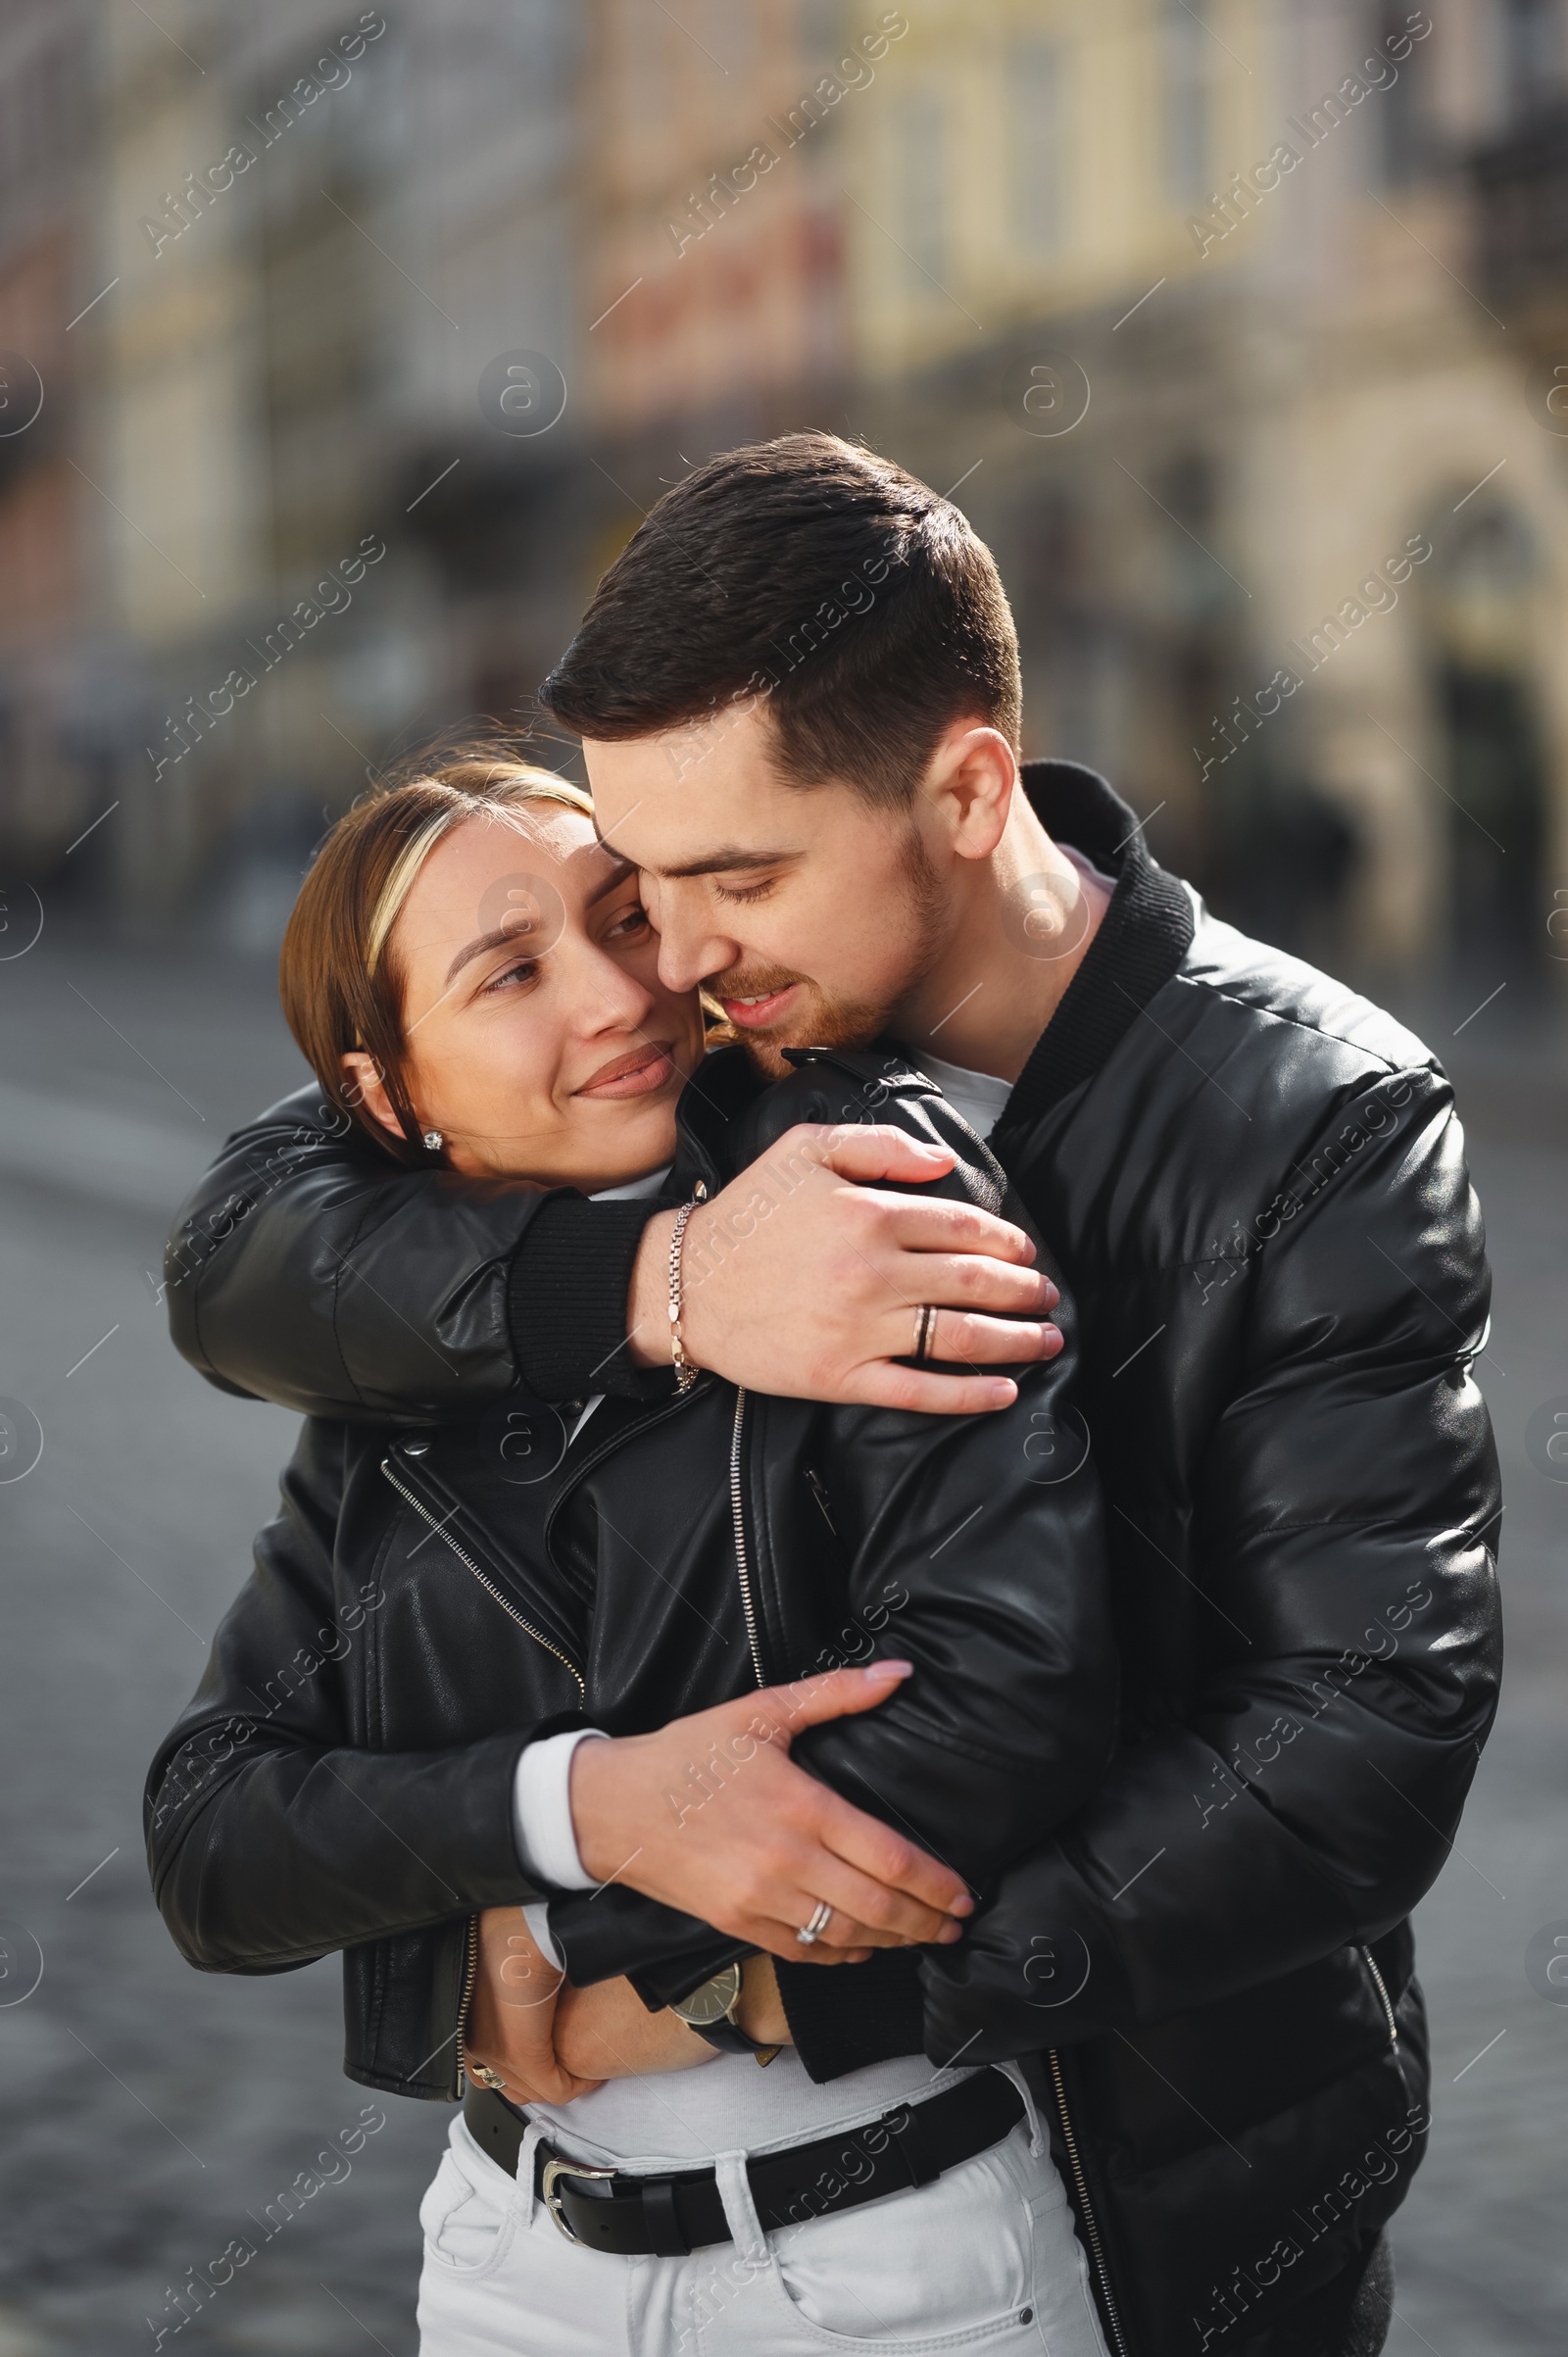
880	1383
962	1249
968	1340
870	1150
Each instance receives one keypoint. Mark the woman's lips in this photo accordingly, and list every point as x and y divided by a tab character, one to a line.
753	1013
637	1074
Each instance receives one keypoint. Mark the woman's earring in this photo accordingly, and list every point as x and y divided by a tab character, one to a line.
434	1140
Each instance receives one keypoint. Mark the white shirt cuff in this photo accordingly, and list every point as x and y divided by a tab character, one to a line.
536	1915
541	1811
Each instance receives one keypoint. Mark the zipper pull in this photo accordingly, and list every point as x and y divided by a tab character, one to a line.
815	1484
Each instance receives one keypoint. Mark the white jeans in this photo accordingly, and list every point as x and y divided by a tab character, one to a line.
983	2258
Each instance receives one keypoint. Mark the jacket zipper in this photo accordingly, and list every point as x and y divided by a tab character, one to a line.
1381	1989
1085	2207
470	1976
484	1581
741	1566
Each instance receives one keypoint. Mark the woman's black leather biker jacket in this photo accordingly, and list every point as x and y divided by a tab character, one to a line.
426	1599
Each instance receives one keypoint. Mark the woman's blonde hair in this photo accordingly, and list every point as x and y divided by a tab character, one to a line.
340	983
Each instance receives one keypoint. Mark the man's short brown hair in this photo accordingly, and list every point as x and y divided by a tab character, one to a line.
818	576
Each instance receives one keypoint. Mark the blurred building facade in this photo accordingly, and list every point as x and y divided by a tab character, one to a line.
1238	329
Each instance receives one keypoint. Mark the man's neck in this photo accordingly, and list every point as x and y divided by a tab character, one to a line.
997	985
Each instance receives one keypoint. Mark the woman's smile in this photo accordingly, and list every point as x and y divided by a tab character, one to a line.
638	1074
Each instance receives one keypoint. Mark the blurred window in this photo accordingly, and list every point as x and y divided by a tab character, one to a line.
1399	123
1531	55
1186	105
921	164
1037	160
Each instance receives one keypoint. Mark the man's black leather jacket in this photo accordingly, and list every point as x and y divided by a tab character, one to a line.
1256	1185
428	1599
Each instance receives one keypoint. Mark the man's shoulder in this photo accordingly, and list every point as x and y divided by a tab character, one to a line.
1225	1085
1328	1034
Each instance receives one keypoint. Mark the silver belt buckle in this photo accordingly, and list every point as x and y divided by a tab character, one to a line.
552	2199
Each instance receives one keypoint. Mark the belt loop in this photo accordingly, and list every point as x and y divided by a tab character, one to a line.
527	2198
740	2210
1037	2135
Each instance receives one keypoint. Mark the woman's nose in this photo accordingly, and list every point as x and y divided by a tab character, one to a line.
612	995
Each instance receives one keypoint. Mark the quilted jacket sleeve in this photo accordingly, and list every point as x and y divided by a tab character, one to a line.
1344	1538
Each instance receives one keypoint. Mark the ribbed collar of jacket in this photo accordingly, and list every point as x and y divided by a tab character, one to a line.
1143	938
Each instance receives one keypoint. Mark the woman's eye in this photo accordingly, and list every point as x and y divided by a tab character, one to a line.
629	924
523	971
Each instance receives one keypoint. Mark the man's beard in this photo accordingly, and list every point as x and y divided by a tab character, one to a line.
822	1019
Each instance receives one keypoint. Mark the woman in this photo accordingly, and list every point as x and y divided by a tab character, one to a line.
388	1750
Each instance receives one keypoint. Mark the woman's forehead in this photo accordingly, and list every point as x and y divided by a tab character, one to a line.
546	856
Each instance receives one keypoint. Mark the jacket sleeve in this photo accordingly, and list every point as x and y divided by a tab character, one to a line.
270	1841
1344	1540
974	1548
310	1268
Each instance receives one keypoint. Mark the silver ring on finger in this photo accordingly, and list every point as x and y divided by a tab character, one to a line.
925	1326
486	2076
811	1932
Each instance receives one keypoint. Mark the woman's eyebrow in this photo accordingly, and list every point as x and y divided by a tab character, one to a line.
471	949
517	935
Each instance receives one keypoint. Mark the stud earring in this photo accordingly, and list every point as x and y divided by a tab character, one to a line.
434	1140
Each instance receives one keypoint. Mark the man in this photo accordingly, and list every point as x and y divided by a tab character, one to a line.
798	695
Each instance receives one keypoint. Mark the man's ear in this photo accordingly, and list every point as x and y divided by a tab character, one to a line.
362	1084
970	779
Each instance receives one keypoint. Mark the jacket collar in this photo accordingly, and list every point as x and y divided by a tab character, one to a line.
1143	938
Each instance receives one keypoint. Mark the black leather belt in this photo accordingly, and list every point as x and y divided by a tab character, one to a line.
666	2217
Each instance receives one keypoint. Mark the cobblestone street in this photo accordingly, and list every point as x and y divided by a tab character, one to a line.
151	2114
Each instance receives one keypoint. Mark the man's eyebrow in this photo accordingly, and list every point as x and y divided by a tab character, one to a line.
728	860
618	874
